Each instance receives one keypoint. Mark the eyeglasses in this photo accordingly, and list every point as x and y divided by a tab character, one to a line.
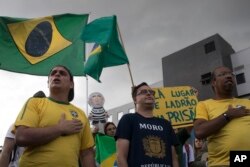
146	91
225	74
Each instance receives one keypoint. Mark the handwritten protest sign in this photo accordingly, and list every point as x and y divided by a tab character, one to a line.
176	104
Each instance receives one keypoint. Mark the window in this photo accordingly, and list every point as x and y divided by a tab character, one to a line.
120	114
131	110
110	118
206	78
240	78
209	47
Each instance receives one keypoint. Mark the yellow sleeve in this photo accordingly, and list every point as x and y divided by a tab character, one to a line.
29	115
201	111
87	137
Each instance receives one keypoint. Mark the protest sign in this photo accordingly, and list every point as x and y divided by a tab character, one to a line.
176	104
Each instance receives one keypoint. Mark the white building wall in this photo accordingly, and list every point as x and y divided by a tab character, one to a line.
241	64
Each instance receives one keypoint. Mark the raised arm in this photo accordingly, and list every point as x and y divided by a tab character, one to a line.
28	136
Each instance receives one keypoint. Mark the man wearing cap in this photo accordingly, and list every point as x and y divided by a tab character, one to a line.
54	132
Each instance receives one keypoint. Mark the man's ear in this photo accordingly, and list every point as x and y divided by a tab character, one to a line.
213	83
71	84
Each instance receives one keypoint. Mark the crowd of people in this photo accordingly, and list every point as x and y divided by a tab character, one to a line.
50	131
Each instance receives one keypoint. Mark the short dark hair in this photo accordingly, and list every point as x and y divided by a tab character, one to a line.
135	88
106	125
71	91
39	94
213	76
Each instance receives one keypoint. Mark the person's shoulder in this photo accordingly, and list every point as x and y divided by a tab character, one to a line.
206	101
35	100
129	115
163	120
242	100
160	119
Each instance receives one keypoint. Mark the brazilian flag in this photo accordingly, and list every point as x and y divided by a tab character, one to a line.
108	50
35	46
105	150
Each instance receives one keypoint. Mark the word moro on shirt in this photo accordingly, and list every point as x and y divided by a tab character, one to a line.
151	127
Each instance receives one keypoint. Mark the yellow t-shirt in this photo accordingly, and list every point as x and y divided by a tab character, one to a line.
233	136
63	151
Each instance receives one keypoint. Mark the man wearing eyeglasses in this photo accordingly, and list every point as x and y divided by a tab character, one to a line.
223	120
142	139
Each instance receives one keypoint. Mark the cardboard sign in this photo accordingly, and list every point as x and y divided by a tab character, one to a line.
176	104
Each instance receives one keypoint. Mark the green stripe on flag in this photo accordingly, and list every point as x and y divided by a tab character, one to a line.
105	150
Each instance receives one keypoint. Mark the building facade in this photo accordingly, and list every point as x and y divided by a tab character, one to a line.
192	66
241	67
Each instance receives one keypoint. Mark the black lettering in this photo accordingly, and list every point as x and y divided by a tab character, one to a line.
161	95
157	105
183	102
166	104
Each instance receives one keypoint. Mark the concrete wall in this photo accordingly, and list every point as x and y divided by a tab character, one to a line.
241	64
185	67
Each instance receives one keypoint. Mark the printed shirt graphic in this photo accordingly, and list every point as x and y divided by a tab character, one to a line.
154	147
150	140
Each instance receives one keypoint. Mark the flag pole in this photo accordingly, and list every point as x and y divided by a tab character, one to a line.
87	94
87	85
130	73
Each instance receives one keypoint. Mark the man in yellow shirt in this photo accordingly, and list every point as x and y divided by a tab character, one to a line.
55	132
223	120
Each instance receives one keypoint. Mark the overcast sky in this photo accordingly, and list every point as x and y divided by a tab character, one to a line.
151	30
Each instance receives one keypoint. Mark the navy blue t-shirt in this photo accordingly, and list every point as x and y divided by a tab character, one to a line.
150	140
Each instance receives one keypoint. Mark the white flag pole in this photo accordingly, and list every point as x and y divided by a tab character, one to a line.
87	83
130	73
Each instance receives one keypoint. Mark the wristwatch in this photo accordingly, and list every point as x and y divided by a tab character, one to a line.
226	117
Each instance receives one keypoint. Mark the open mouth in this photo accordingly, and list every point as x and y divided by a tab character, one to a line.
56	80
229	82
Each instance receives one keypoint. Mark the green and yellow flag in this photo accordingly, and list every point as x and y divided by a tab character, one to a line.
34	46
105	150
108	50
